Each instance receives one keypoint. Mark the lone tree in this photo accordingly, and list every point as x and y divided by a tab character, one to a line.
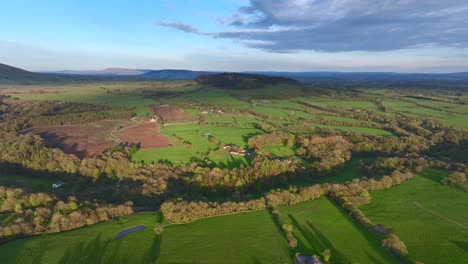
158	229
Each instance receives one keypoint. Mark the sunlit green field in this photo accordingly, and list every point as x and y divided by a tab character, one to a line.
93	244
321	225
432	219
240	238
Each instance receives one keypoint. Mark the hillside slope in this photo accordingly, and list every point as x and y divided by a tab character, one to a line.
244	80
10	75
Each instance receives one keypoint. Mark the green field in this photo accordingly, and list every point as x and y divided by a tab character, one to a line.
320	224
240	238
92	244
30	183
456	118
432	219
110	94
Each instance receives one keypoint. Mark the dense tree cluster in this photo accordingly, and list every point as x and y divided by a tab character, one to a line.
329	152
36	213
180	211
457	180
269	139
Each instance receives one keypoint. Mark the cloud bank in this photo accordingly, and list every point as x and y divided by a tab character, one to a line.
344	25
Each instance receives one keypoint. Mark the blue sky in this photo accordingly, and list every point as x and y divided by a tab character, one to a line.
236	35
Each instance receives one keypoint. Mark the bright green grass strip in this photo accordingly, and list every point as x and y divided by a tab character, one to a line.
93	244
240	238
319	225
428	216
450	119
324	101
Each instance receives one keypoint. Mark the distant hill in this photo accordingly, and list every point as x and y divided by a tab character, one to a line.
169	74
244	80
165	74
15	76
106	72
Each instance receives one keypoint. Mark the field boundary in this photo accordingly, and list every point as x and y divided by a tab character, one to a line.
417	204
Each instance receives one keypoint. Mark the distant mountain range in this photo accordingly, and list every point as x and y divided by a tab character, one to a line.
12	75
178	74
105	72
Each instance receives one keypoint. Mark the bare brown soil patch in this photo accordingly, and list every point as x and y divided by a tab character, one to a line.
173	114
81	140
144	134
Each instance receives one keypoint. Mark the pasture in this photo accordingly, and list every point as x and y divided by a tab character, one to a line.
239	238
93	244
320	224
450	114
432	219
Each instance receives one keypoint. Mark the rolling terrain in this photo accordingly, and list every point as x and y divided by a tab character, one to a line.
231	168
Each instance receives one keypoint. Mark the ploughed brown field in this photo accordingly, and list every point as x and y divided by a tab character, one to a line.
145	134
90	139
173	114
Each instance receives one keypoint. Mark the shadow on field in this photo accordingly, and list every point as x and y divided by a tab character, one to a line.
318	241
373	238
435	177
155	250
106	251
90	252
461	244
231	163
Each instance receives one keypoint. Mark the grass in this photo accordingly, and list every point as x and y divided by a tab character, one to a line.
240	238
114	94
419	111
427	216
319	225
93	244
31	183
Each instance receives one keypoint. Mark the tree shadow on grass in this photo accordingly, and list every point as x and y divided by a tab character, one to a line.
372	238
318	241
435	177
461	244
280	230
87	252
154	251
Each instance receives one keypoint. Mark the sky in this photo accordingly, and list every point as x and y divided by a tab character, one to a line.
236	35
